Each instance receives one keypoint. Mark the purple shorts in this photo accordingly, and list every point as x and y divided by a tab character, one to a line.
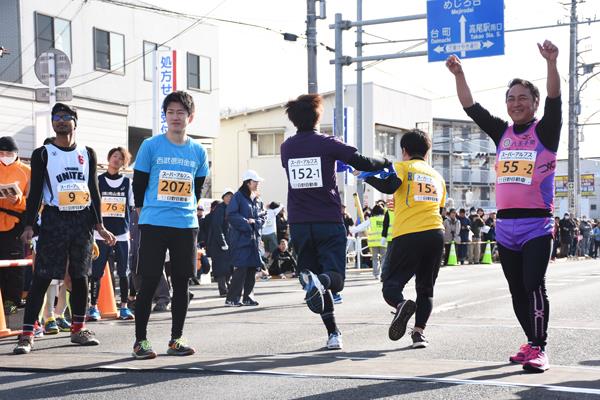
514	233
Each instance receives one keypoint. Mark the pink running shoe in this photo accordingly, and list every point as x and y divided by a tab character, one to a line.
537	360
521	355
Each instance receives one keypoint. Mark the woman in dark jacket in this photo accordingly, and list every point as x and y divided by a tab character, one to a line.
245	219
217	243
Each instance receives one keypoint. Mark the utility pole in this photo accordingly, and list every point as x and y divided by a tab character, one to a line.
573	168
359	94
311	41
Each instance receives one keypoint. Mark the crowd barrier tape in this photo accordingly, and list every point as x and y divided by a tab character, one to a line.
15	263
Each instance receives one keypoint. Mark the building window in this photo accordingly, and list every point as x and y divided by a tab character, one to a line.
52	32
199	73
109	51
149	48
266	144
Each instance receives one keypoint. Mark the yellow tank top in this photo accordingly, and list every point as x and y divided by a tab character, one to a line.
418	200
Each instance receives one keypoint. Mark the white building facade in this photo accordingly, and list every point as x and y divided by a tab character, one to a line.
251	140
460	147
110	48
589	198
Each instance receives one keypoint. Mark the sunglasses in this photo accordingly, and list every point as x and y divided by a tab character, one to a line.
65	117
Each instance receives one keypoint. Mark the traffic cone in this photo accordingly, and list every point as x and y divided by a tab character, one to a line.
106	297
452	260
487	255
4	331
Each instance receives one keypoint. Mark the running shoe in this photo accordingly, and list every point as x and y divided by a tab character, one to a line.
404	311
314	292
63	324
24	345
10	307
250	302
160	307
521	355
38	330
93	314
142	350
337	298
537	360
50	327
125	314
84	337
178	347
418	339
231	303
334	342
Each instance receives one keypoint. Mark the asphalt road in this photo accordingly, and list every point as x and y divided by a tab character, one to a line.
275	351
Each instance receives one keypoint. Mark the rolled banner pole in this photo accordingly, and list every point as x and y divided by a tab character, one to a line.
358	206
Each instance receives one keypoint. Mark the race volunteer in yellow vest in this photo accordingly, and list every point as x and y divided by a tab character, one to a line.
418	239
377	246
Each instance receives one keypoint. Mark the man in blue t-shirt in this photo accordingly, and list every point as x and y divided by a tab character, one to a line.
317	229
168	176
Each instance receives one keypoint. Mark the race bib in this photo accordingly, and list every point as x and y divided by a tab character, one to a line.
515	166
175	186
113	207
424	188
305	173
74	196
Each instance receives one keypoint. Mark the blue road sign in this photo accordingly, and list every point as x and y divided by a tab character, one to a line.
467	28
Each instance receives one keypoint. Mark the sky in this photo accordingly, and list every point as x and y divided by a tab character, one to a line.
258	68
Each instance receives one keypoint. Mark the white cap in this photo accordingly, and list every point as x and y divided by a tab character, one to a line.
227	190
251	174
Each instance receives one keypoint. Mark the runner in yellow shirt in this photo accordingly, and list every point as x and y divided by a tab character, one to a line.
418	235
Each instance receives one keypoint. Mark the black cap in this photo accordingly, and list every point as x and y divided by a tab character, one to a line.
61	107
7	143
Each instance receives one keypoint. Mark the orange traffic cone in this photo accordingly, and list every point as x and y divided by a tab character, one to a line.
4	331
106	297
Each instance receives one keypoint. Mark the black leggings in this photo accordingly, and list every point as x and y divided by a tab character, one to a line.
179	305
525	272
242	278
37	292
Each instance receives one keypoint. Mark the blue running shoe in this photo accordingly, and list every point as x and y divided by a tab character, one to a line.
337	298
63	324
50	327
314	292
93	314
125	314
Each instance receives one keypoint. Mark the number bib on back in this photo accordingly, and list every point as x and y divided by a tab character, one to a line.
305	173
174	186
423	188
515	166
73	196
113	207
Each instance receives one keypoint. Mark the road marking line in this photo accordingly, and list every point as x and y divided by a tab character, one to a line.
455	305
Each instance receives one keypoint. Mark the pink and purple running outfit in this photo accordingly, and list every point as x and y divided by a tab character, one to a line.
525	180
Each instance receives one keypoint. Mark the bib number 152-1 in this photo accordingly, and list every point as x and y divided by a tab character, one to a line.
305	173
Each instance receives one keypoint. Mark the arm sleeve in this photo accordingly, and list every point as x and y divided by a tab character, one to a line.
131	199
362	163
140	183
34	199
386	224
493	126
198	183
93	186
388	185
548	129
203	169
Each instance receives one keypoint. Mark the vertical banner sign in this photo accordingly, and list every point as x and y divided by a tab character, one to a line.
164	82
587	184
560	186
467	28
